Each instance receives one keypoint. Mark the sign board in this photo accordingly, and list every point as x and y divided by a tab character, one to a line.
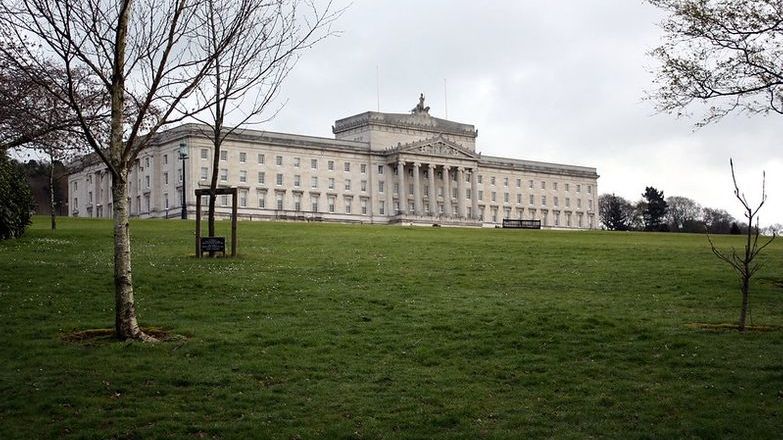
213	244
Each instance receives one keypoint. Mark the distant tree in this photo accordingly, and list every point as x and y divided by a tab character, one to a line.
724	54
717	221
16	200
613	212
735	229
681	211
775	228
654	209
744	263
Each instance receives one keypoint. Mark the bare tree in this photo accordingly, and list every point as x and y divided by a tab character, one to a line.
680	212
725	53
145	56
248	75
744	264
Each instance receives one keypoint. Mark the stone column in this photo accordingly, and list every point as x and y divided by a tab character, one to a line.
402	193
388	181
461	192
431	193
416	189
446	191
474	209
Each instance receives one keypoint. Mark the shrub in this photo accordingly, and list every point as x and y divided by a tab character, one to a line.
16	199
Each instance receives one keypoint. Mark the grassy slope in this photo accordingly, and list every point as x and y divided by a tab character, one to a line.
368	331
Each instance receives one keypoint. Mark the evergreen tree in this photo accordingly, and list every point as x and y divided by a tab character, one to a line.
654	209
16	200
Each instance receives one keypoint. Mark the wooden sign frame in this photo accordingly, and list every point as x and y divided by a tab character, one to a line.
218	192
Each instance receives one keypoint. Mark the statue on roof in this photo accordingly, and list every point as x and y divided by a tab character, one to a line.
420	108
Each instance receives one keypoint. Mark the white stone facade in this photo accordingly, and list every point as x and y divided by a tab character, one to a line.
381	168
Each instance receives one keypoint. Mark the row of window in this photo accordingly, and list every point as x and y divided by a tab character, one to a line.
363	169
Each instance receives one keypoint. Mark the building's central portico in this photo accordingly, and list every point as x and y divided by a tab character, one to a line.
435	182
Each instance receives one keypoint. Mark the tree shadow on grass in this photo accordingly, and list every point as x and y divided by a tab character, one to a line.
732	327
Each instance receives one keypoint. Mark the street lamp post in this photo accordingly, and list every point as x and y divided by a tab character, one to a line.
183	154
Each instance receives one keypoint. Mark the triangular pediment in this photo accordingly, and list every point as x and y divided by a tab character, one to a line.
438	146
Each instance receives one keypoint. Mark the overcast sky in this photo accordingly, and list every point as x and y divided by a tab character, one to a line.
559	81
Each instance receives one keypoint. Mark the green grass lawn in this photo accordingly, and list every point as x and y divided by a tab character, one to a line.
338	331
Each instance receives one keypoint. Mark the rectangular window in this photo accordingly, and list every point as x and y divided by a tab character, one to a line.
382	207
279	179
530	184
330	166
568	202
261	158
555	201
380	186
297	161
297	202
166	200
578	188
204	153
532	202
505	197
505	181
279	200
481	195
223	174
396	188
165	178
348	202
261	177
590	204
543	184
330	201
347	166
314	164
261	199
224	155
363	184
314	203
224	200
579	203
567	187
554	186
363	168
347	184
331	183
519	183
380	169
467	194
243	176
492	180
165	159
243	199
297	180
314	182
589	189
480	179
364	206
242	157
410	188
494	196
146	181
279	161
146	163
543	200
519	199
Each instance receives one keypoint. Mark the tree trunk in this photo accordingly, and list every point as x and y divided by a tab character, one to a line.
745	304
51	192
125	323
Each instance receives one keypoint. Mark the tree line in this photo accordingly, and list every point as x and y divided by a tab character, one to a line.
654	212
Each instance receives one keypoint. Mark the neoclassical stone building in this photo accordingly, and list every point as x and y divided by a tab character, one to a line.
379	168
